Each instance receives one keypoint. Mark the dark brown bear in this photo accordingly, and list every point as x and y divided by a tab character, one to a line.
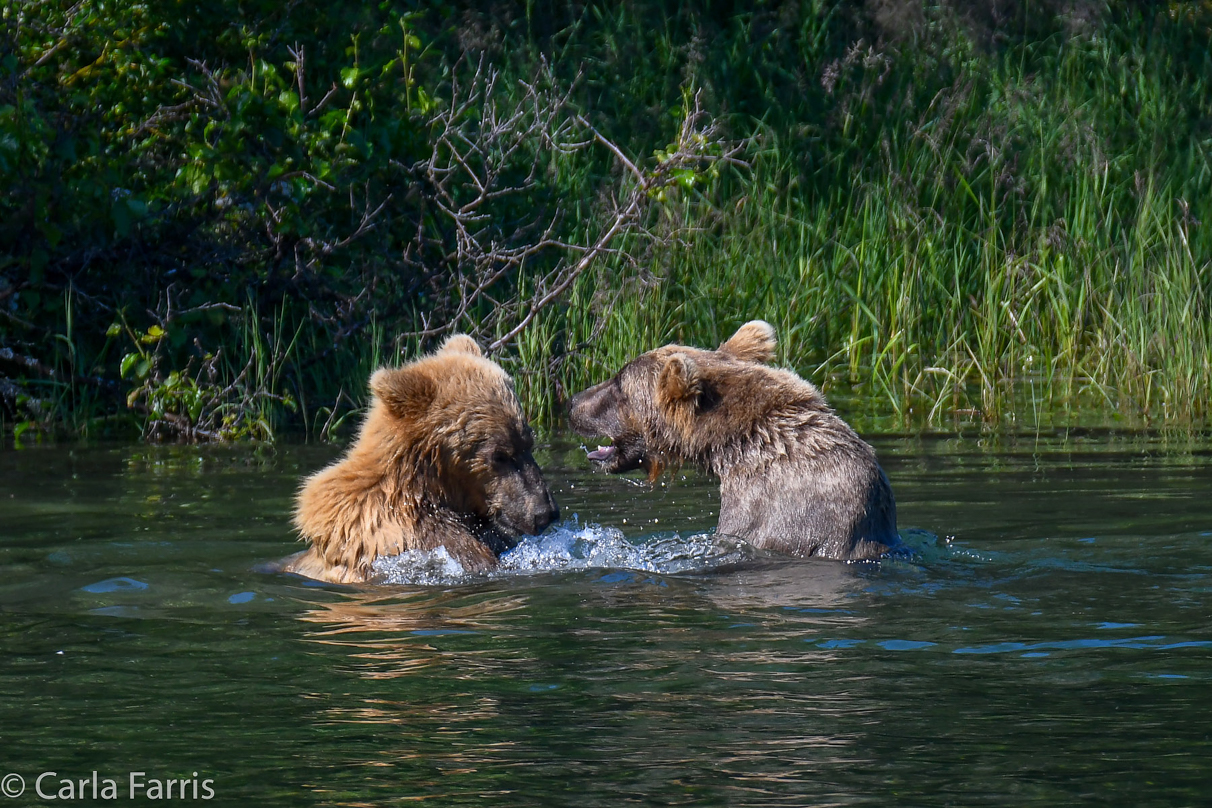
794	478
443	460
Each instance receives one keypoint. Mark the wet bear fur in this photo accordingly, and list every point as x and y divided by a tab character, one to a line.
794	477
443	459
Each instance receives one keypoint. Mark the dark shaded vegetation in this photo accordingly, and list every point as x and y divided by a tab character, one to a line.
217	218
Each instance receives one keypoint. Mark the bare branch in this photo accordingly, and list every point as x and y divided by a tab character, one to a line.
639	175
297	53
488	159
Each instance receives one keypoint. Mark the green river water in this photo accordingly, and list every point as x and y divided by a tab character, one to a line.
1047	641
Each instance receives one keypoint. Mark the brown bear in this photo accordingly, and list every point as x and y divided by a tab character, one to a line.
794	478
443	459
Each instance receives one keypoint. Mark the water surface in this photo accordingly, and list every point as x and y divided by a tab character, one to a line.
1047	642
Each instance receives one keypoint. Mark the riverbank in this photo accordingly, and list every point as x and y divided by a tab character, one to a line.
222	220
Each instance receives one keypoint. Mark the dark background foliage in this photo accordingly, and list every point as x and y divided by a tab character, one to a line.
220	208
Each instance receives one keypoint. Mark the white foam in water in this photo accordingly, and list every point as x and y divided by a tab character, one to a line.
419	568
570	546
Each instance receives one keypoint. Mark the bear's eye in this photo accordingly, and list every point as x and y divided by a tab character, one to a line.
502	457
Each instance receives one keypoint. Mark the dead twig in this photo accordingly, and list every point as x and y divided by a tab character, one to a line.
487	161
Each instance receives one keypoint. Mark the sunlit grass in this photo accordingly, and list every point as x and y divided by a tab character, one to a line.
994	260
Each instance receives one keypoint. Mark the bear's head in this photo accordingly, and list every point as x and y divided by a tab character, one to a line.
677	403
453	424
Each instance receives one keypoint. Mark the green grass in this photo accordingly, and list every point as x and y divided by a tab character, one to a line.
1032	258
929	319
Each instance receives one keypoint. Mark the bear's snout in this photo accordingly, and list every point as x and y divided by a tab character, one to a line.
544	510
523	504
532	520
547	516
596	411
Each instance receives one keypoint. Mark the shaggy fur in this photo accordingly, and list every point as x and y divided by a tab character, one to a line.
443	459
794	478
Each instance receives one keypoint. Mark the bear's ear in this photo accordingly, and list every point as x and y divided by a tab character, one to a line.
752	342
406	391
679	382
461	343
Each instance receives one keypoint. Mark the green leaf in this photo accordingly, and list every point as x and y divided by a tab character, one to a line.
683	177
349	77
128	362
424	102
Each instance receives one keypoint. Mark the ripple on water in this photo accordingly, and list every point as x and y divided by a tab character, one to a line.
115	585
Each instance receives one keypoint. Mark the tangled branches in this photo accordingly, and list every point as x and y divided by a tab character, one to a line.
491	228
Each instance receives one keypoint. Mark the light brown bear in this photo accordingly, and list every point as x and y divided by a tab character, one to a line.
443	460
794	478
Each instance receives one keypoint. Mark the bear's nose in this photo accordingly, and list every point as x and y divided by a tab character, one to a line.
552	514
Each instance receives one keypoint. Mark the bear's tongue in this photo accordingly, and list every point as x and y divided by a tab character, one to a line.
602	453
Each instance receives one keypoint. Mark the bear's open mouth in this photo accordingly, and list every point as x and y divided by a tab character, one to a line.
619	456
602	454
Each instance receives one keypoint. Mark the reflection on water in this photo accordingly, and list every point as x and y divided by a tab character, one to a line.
387	630
1042	640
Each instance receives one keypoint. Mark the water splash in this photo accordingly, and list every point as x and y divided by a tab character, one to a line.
419	568
571	546
925	548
